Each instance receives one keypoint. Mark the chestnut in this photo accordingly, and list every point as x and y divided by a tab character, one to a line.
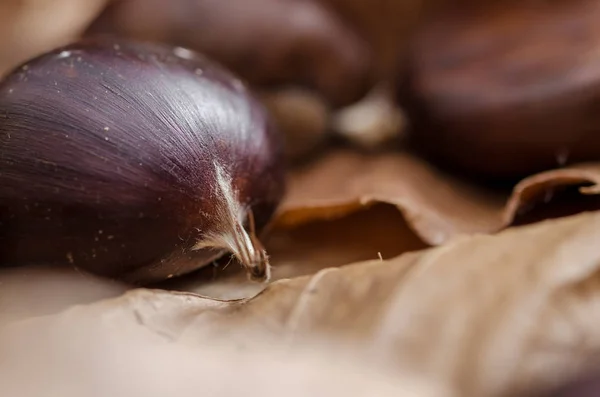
506	90
134	160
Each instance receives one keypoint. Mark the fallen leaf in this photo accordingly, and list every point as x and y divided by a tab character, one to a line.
543	187
436	205
483	315
115	353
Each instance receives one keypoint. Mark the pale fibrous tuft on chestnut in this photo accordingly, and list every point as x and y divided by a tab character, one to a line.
134	160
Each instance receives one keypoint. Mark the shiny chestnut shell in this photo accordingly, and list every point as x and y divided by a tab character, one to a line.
506	90
109	153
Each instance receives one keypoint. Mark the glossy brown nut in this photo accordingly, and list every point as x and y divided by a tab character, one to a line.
507	91
133	160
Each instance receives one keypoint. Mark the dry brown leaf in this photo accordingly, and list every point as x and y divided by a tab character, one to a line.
542	187
436	205
484	315
105	351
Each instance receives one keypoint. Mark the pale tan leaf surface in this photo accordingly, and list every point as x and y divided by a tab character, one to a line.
436	205
118	350
485	315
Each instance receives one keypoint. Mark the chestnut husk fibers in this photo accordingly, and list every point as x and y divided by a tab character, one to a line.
110	151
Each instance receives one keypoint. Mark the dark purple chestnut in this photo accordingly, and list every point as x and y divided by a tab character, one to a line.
503	91
134	160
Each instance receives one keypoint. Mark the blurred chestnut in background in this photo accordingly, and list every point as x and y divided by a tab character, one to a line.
507	90
267	42
302	115
134	160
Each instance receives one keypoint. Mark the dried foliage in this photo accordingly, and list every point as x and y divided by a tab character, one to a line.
481	316
437	206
